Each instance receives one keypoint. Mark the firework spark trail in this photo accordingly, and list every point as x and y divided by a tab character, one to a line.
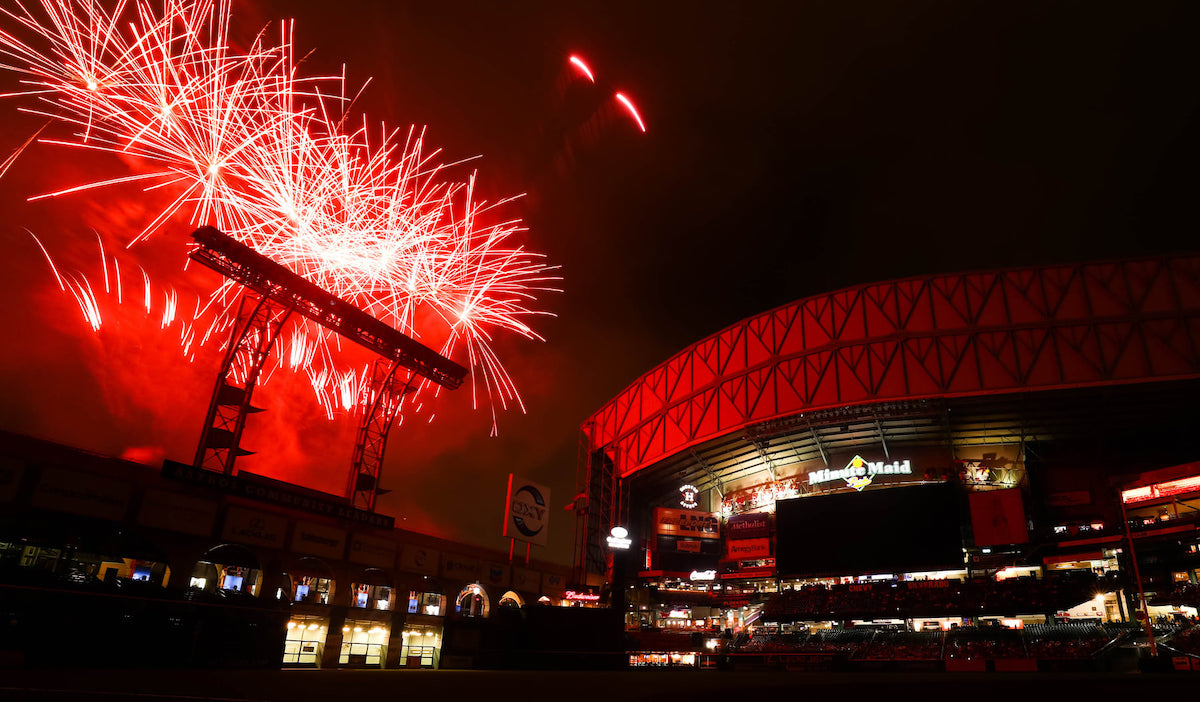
79	286
245	144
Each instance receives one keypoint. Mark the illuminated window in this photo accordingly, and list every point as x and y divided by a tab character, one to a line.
431	603
313	589
421	646
374	597
305	641
364	643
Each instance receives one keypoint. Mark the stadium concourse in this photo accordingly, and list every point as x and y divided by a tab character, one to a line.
986	470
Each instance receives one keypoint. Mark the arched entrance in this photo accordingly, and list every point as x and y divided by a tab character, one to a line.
511	600
472	601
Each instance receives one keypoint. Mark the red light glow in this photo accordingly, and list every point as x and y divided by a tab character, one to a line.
632	111
1160	490
242	143
583	68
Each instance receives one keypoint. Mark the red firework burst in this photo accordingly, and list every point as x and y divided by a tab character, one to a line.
246	145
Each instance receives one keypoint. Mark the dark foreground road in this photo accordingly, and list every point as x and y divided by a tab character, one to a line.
560	686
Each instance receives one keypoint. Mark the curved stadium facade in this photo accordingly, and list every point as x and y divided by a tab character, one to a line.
1029	397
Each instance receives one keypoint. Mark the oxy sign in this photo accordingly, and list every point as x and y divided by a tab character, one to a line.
526	515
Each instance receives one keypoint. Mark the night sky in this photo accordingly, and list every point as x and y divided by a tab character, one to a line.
792	148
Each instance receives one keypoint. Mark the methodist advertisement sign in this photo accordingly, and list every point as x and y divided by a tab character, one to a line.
748	526
677	522
526	514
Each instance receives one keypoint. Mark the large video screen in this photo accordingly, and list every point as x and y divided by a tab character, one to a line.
894	530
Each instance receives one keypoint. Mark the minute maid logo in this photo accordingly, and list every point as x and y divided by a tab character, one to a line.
859	473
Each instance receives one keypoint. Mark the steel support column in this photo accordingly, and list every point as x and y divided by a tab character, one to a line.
258	323
386	393
602	486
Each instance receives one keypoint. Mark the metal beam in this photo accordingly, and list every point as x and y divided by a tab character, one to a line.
713	478
272	280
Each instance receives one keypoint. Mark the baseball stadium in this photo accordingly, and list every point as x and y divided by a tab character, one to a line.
968	470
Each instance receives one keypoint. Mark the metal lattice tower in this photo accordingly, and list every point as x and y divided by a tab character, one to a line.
387	393
258	323
272	293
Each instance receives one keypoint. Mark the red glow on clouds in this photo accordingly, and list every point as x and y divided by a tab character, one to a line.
371	218
147	455
133	388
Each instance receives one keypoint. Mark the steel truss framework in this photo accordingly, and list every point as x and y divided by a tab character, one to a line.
941	336
375	422
258	323
278	292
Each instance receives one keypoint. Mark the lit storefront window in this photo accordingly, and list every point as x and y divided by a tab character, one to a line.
661	660
305	641
364	644
422	646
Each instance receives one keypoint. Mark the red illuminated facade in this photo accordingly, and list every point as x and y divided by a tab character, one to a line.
964	360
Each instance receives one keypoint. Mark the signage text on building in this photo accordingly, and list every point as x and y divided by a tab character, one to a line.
677	522
581	596
859	473
619	538
245	486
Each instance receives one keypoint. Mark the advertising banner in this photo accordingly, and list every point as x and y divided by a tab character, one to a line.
498	574
998	517
175	512
419	559
748	526
553	584
460	567
678	522
526	580
747	548
319	540
372	551
527	512
263	489
82	493
255	528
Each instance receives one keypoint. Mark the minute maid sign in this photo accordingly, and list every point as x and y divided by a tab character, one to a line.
859	473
